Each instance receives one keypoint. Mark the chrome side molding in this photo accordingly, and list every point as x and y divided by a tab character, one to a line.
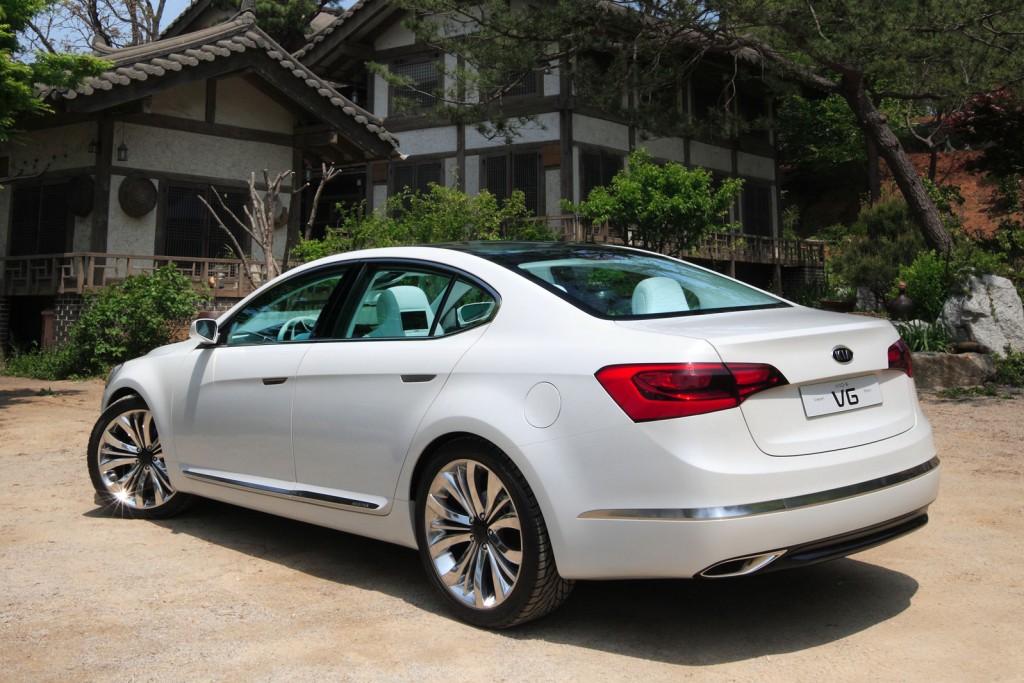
280	490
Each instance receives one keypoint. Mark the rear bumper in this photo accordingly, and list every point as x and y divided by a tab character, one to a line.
683	547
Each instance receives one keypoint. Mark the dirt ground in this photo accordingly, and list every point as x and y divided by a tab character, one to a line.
224	594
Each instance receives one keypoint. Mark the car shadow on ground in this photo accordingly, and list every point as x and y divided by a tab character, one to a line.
673	621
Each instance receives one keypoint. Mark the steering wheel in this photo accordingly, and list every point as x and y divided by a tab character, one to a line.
303	324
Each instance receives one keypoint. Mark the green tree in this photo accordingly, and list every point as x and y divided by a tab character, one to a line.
441	214
660	207
930	52
18	78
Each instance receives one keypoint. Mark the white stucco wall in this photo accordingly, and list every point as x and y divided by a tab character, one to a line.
710	156
552	81
591	131
429	140
241	104
171	151
754	166
126	234
380	196
544	129
52	149
552	191
82	238
186	102
393	36
380	97
670	149
471	175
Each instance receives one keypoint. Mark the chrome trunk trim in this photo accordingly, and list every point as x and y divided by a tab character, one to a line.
768	506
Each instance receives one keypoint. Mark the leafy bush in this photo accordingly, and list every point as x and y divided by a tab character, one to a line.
924	337
56	363
132	317
441	214
929	283
1010	368
122	321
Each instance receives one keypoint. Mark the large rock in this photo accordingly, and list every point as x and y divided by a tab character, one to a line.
989	312
937	371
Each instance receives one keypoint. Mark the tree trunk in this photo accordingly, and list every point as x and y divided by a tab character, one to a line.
874	125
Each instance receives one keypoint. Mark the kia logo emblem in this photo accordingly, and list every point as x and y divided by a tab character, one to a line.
842	354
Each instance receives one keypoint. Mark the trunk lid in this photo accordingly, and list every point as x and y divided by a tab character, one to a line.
843	404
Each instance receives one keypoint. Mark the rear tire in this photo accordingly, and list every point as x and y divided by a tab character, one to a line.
482	538
126	463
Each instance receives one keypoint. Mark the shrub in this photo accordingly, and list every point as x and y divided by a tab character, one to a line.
929	282
882	239
127	319
924	337
56	363
1010	368
132	317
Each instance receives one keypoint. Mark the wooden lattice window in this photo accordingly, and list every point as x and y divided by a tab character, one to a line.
514	171
190	230
40	220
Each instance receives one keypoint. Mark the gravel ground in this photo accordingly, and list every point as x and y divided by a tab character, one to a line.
223	594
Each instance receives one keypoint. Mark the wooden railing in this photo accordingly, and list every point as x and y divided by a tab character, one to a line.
50	274
716	246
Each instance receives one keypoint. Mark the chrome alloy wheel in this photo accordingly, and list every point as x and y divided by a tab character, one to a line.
474	534
130	461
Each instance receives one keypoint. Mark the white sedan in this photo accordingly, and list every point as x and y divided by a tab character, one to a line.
530	414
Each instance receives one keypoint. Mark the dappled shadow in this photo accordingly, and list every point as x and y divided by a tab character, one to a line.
679	622
10	397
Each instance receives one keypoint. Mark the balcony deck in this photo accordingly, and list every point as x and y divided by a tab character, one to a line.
76	273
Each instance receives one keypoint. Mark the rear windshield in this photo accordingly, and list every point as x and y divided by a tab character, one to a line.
610	282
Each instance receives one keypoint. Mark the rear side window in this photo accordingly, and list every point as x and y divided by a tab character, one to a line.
402	302
623	284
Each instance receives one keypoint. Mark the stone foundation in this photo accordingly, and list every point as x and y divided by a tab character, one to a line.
67	308
5	324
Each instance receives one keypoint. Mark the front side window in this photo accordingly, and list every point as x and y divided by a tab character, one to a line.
400	302
288	312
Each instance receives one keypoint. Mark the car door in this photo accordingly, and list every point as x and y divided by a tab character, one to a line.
232	408
360	399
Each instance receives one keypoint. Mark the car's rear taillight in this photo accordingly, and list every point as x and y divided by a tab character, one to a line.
899	358
661	391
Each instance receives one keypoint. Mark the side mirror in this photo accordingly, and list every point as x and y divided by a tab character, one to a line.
204	330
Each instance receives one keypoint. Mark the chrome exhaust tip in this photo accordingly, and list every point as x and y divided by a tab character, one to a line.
741	566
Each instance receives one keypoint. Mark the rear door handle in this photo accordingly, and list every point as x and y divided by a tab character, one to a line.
270	381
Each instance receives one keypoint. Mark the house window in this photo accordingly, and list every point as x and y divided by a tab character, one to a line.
415	176
190	230
422	94
506	173
757	209
597	170
527	85
40	220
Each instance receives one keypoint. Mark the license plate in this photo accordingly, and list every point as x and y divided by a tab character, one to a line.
841	396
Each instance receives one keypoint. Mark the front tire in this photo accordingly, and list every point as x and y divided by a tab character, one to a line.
482	538
126	463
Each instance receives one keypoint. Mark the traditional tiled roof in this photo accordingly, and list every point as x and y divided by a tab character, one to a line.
154	60
318	37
